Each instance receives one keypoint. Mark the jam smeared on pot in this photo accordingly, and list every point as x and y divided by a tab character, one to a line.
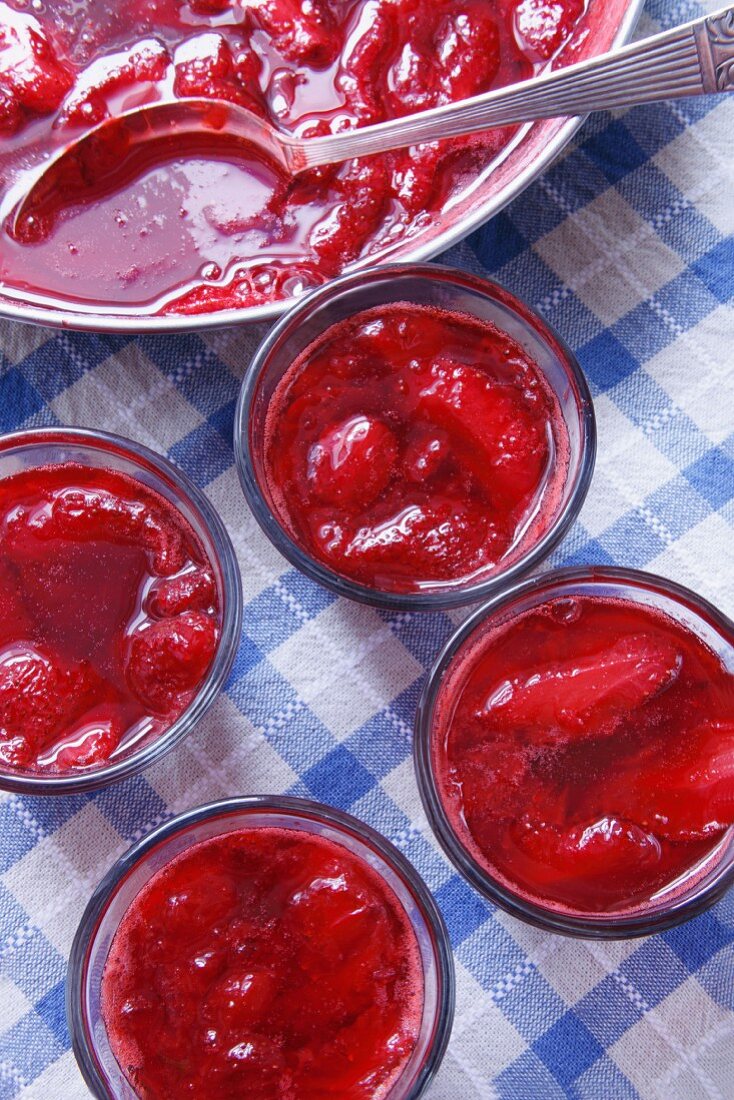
197	223
410	447
267	963
585	753
109	616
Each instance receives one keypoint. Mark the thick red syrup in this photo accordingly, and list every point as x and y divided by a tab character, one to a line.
266	963
410	447
108	616
585	753
196	224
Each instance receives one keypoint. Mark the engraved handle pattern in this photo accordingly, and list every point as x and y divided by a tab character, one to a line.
715	40
688	60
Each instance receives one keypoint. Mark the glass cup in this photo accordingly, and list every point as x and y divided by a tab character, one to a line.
126	878
671	905
425	285
45	446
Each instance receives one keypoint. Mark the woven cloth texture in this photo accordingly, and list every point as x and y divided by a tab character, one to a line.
626	246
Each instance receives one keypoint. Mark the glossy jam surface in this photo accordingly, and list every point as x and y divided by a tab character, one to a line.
410	448
266	963
197	223
108	617
585	753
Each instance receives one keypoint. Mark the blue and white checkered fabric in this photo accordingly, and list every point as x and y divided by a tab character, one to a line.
626	246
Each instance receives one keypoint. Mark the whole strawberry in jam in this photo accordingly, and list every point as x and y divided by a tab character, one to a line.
410	446
109	616
588	760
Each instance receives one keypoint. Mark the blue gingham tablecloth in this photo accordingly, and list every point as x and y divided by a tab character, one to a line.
626	246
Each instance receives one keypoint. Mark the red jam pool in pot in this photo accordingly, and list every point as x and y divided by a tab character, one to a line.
265	963
197	223
109	617
410	448
584	753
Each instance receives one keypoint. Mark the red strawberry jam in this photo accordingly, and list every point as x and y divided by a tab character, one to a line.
411	447
198	223
109	616
266	963
585	753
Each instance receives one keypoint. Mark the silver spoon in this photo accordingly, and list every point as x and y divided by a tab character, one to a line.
696	58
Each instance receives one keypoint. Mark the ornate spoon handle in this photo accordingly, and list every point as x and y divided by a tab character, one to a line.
693	59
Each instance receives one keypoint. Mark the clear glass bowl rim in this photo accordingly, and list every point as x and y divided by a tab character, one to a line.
419	601
586	926
166	471
298	808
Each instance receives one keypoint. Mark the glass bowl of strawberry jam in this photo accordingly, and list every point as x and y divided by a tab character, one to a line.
120	608
575	752
414	437
263	947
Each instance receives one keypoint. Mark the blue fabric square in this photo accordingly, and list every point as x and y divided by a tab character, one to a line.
247	657
491	954
32	963
574	182
52	1011
678	506
300	738
653	971
653	126
614	151
462	908
13	917
29	1046
424	635
378	745
434	870
497	242
714	270
632	540
203	454
132	808
590	552
528	1079
606	362
338	778
16	838
685	301
697	941
570	316
197	372
531	1004
644	332
223	421
713	477
265	696
608	1011
19	400
311	599
568	1049
271	619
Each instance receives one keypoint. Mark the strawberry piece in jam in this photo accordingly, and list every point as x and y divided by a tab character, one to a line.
588	760
108	616
399	465
170	658
543	25
266	963
587	696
